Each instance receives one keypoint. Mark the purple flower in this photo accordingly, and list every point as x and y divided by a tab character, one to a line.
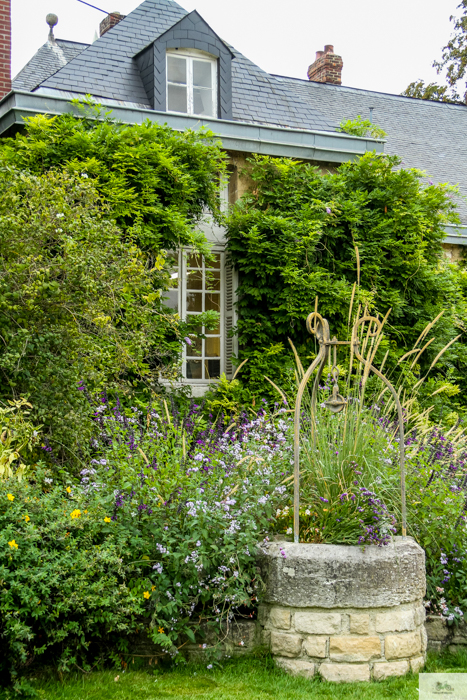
328	211
324	500
430	182
188	341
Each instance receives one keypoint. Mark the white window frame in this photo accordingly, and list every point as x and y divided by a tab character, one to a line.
184	313
191	54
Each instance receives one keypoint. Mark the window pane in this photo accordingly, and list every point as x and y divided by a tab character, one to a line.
213	281
196	348
194	369
216	263
202	102
196	329
194	301
176	69
177	101
212	302
195	261
213	347
202	72
212	369
172	299
195	280
215	331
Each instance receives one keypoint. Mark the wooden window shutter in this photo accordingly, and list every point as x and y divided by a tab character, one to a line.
230	318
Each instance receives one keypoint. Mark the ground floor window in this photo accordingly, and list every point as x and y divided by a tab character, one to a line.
200	285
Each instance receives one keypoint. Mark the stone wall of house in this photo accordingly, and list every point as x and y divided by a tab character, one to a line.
454	252
240	183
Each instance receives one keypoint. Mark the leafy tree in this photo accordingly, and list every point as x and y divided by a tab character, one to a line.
432	91
454	60
76	299
294	237
83	296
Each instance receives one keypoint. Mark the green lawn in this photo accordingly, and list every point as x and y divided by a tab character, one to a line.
245	679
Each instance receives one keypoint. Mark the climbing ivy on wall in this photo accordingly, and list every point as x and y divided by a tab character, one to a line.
293	237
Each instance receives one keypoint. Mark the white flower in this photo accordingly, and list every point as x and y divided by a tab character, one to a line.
307	512
289	531
209	666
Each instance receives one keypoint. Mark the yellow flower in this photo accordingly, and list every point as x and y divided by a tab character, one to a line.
68	488
147	594
153	588
107	520
76	513
27	518
161	630
10	497
85	512
13	544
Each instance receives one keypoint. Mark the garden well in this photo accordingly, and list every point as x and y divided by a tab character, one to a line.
345	606
347	613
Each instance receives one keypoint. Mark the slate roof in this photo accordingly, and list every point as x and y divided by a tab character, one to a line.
431	136
428	135
106	69
47	61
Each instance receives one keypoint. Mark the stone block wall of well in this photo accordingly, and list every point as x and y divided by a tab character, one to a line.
347	644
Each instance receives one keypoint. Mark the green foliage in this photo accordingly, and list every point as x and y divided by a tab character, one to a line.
226	397
294	238
91	208
18	439
454	60
361	127
76	299
159	535
432	91
156	182
436	507
454	57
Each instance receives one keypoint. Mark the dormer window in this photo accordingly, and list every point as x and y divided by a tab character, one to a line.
191	83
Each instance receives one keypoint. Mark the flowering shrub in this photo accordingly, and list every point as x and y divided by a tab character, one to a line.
160	532
436	503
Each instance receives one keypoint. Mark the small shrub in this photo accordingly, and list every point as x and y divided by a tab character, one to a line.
362	127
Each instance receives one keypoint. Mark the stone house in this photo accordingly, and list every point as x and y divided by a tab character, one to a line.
167	65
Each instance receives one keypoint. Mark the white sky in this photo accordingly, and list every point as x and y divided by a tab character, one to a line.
385	44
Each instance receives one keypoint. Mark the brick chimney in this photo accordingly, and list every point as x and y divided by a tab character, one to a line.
327	67
109	22
5	47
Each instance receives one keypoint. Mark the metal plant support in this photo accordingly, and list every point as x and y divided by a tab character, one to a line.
318	326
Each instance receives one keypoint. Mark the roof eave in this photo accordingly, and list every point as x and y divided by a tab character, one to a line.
247	137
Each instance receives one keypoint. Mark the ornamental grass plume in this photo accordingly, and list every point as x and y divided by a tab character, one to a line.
349	460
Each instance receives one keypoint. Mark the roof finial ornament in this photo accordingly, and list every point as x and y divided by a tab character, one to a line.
52	21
